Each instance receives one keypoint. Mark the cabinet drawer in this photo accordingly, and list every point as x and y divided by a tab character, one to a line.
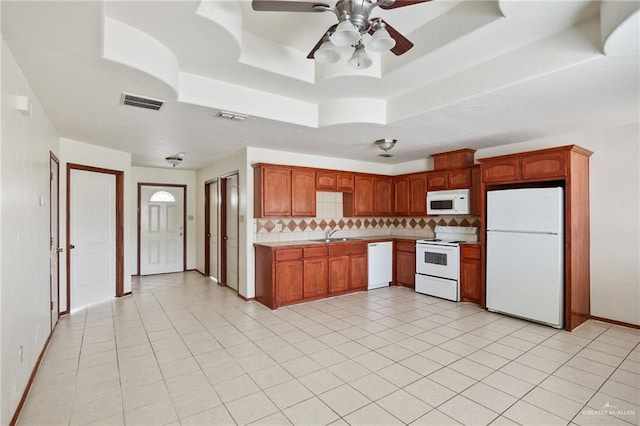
311	252
288	254
336	250
544	166
406	246
470	251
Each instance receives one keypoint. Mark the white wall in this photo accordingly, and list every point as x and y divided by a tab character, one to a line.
96	156
615	215
164	176
24	234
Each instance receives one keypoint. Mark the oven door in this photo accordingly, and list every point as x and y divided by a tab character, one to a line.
438	260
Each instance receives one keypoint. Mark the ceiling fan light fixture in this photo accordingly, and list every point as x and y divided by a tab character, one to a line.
327	53
381	41
345	33
359	60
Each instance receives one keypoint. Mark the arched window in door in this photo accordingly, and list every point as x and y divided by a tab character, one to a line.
162	197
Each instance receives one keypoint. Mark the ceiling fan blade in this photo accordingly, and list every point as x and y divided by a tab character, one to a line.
402	43
317	46
403	3
287	6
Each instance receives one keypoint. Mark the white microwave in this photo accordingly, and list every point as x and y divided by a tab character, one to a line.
448	202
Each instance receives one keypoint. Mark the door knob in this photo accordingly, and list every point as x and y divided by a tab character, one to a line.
71	246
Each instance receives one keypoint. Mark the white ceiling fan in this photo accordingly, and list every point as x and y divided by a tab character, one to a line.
353	22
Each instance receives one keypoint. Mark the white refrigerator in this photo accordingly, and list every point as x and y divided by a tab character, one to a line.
525	255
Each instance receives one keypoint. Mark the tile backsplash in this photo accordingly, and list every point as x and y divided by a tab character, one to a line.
329	217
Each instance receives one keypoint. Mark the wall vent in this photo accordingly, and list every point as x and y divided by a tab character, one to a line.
141	101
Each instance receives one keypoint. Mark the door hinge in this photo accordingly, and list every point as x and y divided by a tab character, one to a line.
52	305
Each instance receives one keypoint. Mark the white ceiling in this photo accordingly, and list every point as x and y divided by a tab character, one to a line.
481	73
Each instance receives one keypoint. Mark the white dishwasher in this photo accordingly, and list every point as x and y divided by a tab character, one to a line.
380	264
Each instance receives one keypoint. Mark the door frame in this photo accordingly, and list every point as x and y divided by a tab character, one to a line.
56	244
119	211
207	224
223	226
184	219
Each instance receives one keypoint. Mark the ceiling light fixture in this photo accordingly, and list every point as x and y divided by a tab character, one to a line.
386	144
175	159
326	53
359	60
232	115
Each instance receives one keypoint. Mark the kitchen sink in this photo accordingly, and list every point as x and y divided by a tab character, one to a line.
335	240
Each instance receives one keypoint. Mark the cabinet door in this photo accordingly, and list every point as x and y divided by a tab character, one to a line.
544	166
288	281
274	191
363	195
382	198
503	170
316	274
358	273
459	179
405	266
344	182
303	193
470	272
325	180
436	181
401	196
418	195
338	274
470	280
476	194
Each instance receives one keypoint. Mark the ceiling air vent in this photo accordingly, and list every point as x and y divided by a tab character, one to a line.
141	102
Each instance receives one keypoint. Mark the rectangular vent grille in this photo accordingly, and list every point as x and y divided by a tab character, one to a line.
141	102
435	258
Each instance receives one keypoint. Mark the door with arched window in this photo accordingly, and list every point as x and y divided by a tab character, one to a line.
162	229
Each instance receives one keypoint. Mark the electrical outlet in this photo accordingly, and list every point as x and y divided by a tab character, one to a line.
20	354
278	227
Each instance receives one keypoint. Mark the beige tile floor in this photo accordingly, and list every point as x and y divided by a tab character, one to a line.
183	350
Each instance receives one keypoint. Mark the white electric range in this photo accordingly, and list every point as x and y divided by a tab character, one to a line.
438	261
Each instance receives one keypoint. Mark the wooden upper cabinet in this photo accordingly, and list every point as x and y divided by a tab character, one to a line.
344	182
418	194
459	179
436	181
382	197
361	201
501	170
541	166
476	193
458	159
303	193
326	180
401	196
272	191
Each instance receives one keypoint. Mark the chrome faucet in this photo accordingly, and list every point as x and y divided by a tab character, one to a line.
330	233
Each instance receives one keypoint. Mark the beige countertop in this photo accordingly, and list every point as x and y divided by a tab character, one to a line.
366	239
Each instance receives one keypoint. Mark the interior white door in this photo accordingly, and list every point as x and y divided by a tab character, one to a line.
54	240
161	229
232	232
92	240
214	241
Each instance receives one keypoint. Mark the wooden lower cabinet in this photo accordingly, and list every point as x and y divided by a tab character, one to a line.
288	281
405	263
338	274
358	274
470	271
315	277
